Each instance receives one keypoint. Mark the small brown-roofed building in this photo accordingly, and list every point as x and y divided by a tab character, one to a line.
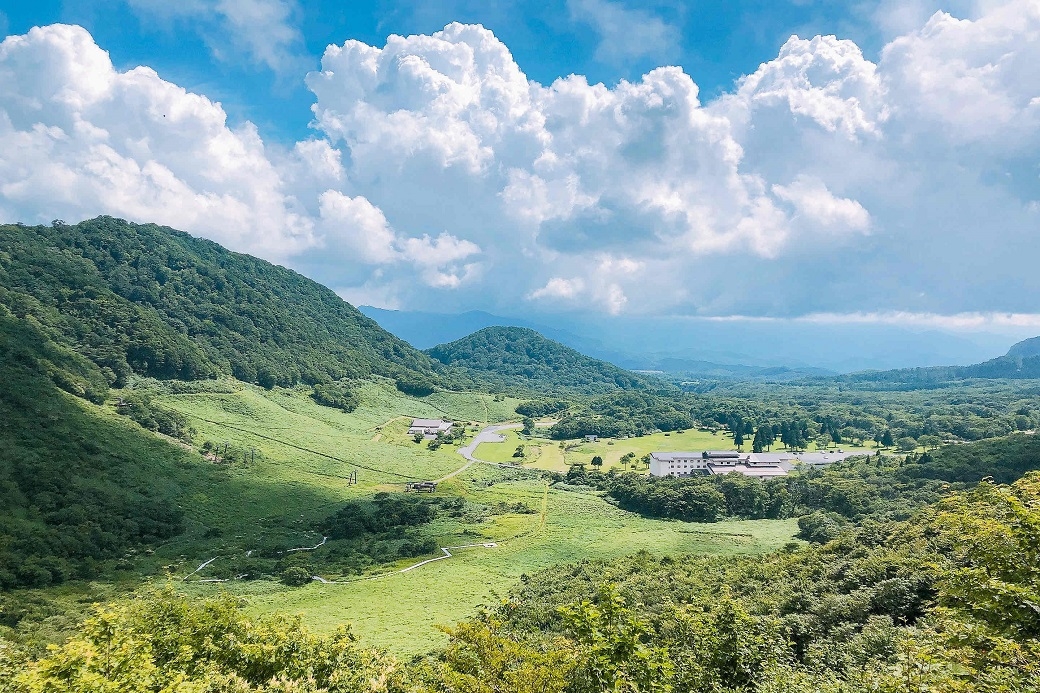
429	428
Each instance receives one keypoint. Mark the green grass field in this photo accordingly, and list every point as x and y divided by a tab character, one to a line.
401	611
306	453
543	453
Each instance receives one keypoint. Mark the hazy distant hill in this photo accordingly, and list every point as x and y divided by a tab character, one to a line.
1018	364
1026	348
158	302
520	357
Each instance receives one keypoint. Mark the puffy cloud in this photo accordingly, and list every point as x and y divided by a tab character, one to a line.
81	138
558	287
357	228
360	226
440	259
816	204
973	79
441	176
824	79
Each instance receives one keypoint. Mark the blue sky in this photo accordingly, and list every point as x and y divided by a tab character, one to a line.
715	41
593	157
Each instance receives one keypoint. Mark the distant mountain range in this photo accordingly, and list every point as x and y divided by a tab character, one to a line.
1022	362
705	348
424	330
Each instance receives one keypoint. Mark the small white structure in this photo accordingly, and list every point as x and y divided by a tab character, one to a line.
429	428
711	462
591	438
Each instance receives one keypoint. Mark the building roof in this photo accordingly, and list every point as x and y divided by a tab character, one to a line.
705	455
429	423
672	456
759	470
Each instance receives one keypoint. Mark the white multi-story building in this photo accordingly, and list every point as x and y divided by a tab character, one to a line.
711	462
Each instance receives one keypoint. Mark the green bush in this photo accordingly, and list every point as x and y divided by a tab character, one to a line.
415	386
338	395
295	576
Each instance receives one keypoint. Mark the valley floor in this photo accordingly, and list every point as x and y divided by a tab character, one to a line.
306	454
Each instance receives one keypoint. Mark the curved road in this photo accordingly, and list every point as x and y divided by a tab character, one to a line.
489	435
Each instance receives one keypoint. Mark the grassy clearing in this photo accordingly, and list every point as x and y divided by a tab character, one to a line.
305	454
401	611
300	476
543	453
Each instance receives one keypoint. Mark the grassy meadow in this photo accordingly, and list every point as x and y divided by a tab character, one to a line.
297	474
543	453
305	453
401	611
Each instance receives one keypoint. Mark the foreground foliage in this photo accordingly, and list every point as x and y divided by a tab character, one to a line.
945	602
168	643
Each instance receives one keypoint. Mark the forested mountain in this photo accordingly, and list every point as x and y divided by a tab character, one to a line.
77	490
518	357
158	302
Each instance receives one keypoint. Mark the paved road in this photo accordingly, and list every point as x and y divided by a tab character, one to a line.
488	435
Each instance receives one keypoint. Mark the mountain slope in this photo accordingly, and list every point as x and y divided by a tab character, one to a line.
1025	349
77	490
520	357
1010	367
158	302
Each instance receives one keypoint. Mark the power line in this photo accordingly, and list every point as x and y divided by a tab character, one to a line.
313	452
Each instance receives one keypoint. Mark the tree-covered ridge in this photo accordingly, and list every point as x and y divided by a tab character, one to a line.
1025	348
1019	364
158	302
77	491
517	357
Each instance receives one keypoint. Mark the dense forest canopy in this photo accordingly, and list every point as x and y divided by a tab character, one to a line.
517	357
76	491
158	302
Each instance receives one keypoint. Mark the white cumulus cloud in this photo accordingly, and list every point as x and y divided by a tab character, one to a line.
80	138
440	176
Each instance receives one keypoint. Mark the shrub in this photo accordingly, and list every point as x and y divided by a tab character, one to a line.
296	576
337	395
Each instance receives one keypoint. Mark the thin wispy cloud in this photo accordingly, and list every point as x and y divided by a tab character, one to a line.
264	32
626	33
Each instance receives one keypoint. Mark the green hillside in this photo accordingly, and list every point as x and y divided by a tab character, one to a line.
157	302
1022	362
77	490
517	357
